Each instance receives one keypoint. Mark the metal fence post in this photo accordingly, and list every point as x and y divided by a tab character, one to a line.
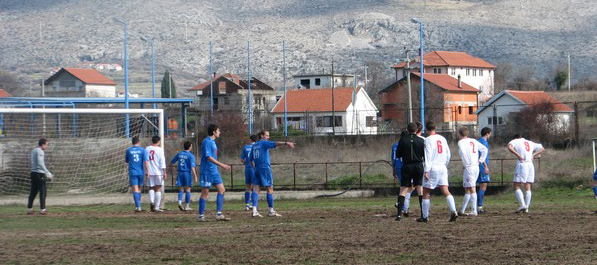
326	174
360	175
294	174
502	169
231	177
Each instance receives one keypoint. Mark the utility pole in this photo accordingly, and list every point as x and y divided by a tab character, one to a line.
410	101
43	94
169	84
568	72
366	70
333	110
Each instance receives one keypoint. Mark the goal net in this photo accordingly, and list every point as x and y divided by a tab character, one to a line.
86	150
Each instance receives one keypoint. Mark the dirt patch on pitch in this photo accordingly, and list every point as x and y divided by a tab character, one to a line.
310	236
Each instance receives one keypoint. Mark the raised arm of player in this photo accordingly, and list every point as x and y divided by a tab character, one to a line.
289	144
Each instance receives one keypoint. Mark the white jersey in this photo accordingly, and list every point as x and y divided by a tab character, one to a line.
437	151
157	161
525	148
472	152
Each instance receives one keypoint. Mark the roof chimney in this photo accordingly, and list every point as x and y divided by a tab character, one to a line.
459	82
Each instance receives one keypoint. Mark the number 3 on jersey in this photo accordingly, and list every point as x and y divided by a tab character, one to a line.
151	155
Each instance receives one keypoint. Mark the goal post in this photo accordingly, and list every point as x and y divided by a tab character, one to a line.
86	151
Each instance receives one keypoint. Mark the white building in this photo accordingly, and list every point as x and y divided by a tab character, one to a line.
311	110
323	81
72	82
497	109
472	70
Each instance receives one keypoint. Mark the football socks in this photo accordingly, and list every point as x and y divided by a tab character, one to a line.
270	201
480	195
247	197
255	199
426	204
137	198
406	202
201	206
151	195
158	199
451	203
180	192
187	198
474	202
527	199
520	198
467	198
220	202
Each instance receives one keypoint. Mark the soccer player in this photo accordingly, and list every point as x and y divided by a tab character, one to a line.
186	174
525	151
209	174
249	171
595	186
39	175
137	158
157	173
437	157
411	151
472	154
263	171
484	178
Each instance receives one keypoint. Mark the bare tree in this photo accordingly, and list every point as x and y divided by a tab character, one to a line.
503	73
378	75
9	82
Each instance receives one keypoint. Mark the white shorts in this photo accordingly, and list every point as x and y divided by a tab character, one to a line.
470	175
525	173
438	176
156	180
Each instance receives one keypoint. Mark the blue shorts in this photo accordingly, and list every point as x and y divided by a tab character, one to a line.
208	180
398	171
136	180
483	178
184	179
595	176
249	175
263	177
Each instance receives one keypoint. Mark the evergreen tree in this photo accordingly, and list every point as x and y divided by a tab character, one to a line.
168	86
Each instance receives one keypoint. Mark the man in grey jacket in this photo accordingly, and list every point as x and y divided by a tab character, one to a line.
39	175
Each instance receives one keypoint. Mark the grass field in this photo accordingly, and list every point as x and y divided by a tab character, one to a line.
557	230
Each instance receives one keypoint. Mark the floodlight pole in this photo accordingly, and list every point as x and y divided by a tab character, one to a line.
422	71
285	98
211	81
249	94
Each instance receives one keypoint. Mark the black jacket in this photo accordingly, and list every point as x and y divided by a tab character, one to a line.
411	149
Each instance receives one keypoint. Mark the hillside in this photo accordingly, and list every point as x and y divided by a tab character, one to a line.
44	34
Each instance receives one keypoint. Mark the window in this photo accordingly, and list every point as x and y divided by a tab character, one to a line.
326	121
215	103
453	71
480	72
257	101
474	72
370	121
459	109
500	120
318	81
489	120
435	70
470	110
306	83
439	70
468	72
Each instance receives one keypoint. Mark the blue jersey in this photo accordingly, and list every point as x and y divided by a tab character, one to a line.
246	155
208	149
486	144
260	153
186	161
136	156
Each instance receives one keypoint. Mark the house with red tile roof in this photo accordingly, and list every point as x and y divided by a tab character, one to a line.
73	82
495	112
449	102
342	110
4	94
472	70
230	93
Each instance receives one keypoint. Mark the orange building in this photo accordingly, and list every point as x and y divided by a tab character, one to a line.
449	102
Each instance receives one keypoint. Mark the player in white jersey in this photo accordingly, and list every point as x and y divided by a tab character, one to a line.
157	173
525	151
437	157
472	153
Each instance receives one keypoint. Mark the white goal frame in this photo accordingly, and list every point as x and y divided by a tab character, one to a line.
159	112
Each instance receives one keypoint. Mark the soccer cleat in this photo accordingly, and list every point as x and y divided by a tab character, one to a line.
201	218
405	214
137	210
181	208
221	217
398	217
256	214
29	211
453	217
152	207
481	210
526	210
159	210
463	214
274	214
422	220
521	210
248	207
43	212
188	208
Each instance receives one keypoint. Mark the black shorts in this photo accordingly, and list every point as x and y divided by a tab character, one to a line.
412	175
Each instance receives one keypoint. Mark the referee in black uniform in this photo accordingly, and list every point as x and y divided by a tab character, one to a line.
412	151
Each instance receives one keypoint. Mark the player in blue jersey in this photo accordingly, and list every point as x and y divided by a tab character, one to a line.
483	178
397	166
209	174
249	171
137	158
186	174
263	171
595	186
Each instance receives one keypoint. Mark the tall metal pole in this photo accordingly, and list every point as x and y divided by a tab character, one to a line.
152	73
211	82
366	72
285	98
126	77
169	84
333	110
568	72
249	94
422	81
410	100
